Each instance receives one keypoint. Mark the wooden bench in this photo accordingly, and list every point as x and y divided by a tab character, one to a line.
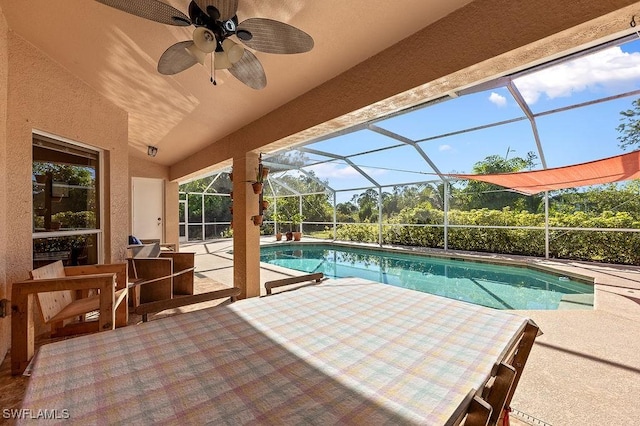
63	294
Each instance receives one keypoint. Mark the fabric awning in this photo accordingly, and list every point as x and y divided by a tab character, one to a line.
612	169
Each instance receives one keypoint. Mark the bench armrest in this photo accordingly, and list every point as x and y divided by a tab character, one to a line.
317	277
152	307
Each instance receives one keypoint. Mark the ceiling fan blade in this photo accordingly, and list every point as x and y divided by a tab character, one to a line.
271	36
249	71
176	59
153	10
226	8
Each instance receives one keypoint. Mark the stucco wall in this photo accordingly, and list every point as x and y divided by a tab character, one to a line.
43	96
4	290
148	169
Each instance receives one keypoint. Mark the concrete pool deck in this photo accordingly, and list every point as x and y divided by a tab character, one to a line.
584	369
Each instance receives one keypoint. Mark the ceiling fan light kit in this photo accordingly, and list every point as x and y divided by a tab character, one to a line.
233	50
198	54
221	61
216	21
204	39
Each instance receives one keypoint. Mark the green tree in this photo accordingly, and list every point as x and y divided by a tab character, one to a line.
614	197
434	195
630	127
78	208
367	203
70	174
478	195
316	206
216	207
346	212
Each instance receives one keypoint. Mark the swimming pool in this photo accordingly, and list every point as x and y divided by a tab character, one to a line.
495	286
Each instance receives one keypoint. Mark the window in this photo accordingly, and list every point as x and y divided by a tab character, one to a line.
66	203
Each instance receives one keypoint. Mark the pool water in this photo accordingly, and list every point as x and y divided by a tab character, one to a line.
495	286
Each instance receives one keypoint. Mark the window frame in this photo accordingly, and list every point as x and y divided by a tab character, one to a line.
99	231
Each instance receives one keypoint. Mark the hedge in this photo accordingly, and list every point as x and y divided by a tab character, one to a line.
610	247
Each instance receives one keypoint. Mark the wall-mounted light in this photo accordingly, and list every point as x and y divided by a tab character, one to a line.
152	151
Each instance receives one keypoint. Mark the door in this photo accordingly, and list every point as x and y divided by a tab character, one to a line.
147	208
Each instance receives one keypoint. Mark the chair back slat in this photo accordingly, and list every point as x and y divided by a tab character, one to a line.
51	302
145	250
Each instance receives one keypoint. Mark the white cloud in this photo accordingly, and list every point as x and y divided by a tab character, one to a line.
605	69
497	99
443	148
340	171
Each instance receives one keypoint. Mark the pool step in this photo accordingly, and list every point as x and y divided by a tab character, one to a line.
576	301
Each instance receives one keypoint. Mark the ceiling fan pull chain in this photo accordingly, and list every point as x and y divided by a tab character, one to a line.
212	72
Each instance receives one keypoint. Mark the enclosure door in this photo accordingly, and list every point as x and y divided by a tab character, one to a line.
147	208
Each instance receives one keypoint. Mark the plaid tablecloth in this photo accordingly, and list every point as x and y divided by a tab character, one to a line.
342	352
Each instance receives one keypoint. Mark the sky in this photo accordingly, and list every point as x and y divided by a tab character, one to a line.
570	137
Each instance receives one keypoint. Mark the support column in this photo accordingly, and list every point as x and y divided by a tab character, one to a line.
446	214
300	213
380	216
246	235
546	224
335	216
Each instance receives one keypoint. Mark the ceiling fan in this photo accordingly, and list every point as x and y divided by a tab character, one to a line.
216	22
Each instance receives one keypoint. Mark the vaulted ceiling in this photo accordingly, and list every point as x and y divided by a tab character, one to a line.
183	115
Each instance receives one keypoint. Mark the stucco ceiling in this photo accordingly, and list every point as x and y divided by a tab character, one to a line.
116	54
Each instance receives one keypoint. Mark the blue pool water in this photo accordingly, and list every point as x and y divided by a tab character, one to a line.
495	286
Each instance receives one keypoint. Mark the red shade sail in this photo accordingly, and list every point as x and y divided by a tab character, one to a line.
612	169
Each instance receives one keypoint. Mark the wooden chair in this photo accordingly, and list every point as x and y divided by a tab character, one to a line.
162	279
63	294
157	275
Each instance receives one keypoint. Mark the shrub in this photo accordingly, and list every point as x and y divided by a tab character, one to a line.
425	230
